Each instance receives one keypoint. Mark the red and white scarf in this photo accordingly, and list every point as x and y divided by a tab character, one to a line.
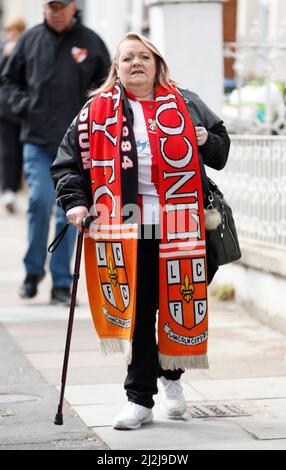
111	243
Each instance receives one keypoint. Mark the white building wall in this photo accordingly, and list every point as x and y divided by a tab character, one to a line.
109	18
30	10
265	21
112	19
277	20
250	10
190	36
247	11
261	291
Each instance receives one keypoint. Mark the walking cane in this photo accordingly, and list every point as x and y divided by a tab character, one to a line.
59	416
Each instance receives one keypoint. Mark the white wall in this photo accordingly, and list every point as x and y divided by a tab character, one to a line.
247	11
277	18
190	36
109	18
260	292
30	10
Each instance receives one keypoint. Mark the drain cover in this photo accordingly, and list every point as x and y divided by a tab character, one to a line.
221	410
14	398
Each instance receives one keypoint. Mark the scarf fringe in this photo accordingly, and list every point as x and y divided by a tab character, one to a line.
117	345
184	362
111	346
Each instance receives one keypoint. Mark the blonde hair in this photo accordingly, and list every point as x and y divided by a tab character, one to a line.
162	70
15	24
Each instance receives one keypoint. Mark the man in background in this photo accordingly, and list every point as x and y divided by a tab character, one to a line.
46	81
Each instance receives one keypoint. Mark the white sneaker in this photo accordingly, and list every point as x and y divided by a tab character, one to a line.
173	404
133	416
9	201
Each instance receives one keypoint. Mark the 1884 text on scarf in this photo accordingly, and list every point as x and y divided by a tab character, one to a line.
111	243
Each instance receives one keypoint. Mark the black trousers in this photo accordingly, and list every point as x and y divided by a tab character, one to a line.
144	370
11	155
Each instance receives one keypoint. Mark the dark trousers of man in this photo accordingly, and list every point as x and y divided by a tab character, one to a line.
144	370
11	155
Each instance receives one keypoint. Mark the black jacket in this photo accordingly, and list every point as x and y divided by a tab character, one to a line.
72	182
46	86
5	110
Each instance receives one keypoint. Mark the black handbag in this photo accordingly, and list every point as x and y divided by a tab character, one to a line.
221	239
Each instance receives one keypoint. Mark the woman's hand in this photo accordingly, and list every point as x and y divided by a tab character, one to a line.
76	215
201	134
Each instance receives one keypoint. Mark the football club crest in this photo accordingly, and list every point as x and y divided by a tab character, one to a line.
187	291
79	55
113	276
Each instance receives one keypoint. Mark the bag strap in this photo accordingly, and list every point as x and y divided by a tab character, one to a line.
54	245
208	195
86	223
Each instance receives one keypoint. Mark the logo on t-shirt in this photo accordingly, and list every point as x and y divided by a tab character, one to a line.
142	145
152	125
79	55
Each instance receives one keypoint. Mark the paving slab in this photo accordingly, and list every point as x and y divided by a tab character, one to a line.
108	394
276	408
242	389
269	429
102	394
169	435
86	375
247	367
95	416
97	405
28	407
50	360
49	336
29	311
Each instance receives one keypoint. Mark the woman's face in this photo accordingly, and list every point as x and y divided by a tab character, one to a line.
136	67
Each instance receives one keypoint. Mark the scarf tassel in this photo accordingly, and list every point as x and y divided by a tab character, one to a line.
110	346
184	362
117	345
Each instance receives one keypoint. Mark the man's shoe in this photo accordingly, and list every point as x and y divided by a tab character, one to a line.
61	296
9	201
133	416
29	288
173	404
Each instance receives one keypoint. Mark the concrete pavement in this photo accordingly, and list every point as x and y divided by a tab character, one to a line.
240	403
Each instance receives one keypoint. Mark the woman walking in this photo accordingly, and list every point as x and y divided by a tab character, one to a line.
133	157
